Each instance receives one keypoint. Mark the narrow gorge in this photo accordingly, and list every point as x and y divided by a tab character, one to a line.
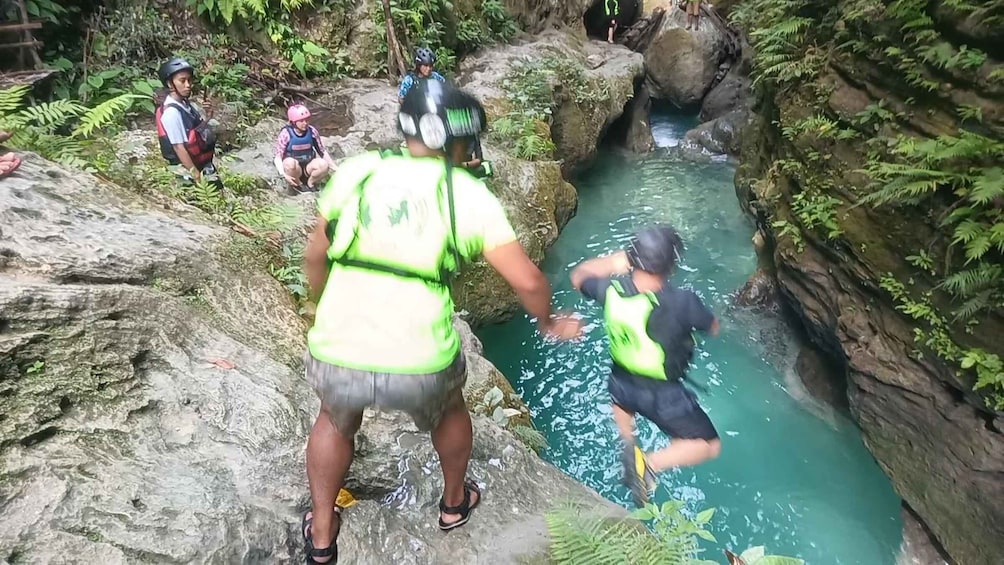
152	403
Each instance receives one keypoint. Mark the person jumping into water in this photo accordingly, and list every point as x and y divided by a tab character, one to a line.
649	324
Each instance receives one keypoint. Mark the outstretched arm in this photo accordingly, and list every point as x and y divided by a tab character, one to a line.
532	288
614	264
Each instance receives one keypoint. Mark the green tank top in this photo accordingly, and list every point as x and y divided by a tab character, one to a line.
626	320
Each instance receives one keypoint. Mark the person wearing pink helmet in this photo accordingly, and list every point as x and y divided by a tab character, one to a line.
300	156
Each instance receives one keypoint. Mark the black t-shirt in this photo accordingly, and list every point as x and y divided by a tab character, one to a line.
678	313
474	148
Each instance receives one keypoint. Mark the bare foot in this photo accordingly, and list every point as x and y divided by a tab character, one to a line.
9	162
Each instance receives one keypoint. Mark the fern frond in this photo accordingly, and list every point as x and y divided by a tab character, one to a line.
52	114
104	113
11	99
987	186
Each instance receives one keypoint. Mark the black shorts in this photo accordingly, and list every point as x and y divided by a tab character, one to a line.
670	405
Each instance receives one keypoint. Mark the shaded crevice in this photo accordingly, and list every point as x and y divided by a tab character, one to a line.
39	436
636	114
78	278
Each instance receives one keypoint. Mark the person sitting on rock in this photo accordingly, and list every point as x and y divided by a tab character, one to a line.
392	229
612	9
424	61
183	133
476	164
300	156
649	324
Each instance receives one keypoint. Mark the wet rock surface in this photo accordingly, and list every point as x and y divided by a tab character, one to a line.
153	410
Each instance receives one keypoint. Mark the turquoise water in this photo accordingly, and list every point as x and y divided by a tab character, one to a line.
793	476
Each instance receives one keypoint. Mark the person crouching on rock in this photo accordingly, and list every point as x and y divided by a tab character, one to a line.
300	156
183	132
392	229
649	324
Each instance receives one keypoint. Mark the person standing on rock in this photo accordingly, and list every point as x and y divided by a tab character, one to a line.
475	162
425	59
694	13
300	155
649	324
612	9
183	133
392	229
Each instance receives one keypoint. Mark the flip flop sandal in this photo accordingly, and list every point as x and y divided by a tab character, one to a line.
307	527
15	163
464	509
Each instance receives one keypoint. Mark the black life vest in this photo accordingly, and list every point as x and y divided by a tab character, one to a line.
303	148
199	141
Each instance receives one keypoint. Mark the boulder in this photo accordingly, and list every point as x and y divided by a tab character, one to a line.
681	65
760	290
579	119
535	16
152	408
720	136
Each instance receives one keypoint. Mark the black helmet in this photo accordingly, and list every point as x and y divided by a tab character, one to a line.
436	113
173	67
424	56
655	250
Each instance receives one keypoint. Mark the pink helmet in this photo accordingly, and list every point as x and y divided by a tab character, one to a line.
297	112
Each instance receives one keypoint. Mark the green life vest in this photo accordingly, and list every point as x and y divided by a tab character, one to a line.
343	234
626	320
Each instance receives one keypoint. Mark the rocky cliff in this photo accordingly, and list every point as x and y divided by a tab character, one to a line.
873	169
152	408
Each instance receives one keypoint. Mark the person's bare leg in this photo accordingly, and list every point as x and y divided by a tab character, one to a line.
329	455
453	439
292	169
317	171
625	423
684	453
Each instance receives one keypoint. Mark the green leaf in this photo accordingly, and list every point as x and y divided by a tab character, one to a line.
299	61
779	560
704	516
643	514
706	535
143	87
95	81
753	554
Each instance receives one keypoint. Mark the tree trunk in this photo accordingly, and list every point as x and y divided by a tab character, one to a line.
394	57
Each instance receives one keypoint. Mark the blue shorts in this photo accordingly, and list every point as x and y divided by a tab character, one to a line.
670	405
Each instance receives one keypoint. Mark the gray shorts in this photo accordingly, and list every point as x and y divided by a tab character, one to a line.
345	392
